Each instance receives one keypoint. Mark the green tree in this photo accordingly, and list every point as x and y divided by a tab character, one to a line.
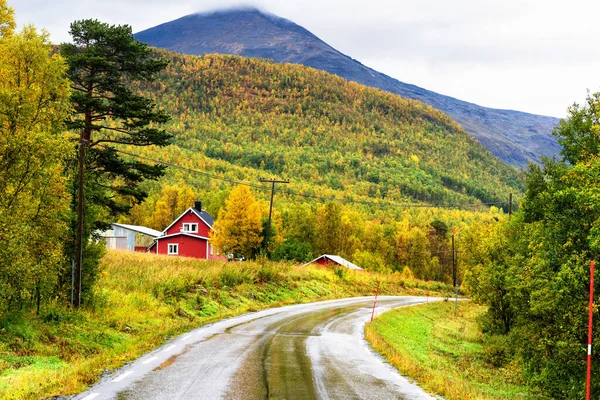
103	60
329	229
533	271
579	134
293	250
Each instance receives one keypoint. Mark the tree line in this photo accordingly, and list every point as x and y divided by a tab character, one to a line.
376	238
533	271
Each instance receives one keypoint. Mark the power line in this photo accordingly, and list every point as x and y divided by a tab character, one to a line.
209	175
307	195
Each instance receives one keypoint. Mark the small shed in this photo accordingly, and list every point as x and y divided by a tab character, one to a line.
327	259
129	237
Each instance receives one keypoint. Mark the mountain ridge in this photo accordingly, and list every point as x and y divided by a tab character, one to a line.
513	136
245	117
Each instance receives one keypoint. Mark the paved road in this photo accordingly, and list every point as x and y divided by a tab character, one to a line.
306	351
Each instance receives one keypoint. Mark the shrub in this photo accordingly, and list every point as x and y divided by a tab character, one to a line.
407	273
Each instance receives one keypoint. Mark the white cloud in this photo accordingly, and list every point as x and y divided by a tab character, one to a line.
536	56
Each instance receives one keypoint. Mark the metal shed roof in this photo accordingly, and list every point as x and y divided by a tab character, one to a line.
141	229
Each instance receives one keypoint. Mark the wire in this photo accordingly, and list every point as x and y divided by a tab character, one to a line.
306	195
211	176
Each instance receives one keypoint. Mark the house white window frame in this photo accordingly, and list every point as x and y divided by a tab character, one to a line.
189	225
176	252
211	250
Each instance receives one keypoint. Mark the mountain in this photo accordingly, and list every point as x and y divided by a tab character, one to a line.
242	118
514	137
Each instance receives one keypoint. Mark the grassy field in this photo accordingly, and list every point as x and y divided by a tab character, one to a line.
141	300
447	355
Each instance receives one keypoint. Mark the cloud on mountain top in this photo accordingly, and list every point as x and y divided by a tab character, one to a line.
533	55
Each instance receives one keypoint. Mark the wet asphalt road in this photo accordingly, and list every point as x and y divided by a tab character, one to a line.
306	351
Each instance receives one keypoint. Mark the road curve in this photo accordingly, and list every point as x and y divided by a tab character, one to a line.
305	351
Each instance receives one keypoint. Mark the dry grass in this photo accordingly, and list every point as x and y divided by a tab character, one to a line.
141	300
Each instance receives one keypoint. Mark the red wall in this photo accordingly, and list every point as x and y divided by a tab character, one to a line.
190	217
188	246
323	261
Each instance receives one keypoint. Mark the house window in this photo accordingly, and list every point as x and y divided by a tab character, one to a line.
173	248
190	228
211	249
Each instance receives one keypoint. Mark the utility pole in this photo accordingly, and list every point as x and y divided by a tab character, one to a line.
453	262
273	182
454	273
79	245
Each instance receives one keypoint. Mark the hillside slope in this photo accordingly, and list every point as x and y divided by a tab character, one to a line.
514	137
243	117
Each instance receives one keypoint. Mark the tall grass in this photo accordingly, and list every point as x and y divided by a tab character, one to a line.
445	354
141	300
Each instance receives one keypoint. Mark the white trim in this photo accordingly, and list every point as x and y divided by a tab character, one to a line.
200	216
190	226
192	209
176	252
182	233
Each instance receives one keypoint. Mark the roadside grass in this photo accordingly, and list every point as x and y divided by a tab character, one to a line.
447	355
142	300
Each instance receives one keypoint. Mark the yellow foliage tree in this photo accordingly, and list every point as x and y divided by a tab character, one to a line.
172	202
238	227
7	20
34	103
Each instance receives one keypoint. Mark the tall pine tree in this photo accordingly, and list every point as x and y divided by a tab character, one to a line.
103	62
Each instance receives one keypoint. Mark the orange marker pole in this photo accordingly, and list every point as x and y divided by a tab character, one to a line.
589	349
375	303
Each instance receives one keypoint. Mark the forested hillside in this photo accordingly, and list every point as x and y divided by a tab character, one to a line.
384	160
515	137
244	118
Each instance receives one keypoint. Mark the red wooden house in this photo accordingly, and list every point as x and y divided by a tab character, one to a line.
188	236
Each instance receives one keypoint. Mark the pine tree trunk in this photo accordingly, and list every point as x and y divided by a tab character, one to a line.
79	238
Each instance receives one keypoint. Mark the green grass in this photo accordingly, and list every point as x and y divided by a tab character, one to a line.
447	355
141	300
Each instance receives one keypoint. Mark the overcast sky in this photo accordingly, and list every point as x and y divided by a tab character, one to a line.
538	56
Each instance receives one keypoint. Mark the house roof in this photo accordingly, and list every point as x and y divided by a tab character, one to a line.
140	229
203	215
206	217
338	260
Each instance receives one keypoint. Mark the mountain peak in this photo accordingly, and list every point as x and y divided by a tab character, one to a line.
245	31
515	137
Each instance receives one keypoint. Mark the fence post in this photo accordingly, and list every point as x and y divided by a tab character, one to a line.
218	296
